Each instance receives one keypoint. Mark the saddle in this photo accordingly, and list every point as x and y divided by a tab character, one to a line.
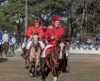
52	58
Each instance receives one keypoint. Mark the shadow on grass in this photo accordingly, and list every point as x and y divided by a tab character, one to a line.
3	60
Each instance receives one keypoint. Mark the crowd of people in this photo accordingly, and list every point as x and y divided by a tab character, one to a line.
89	43
50	35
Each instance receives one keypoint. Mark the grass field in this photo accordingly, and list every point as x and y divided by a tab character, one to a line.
82	68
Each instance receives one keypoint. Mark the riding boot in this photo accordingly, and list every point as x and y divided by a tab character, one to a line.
34	74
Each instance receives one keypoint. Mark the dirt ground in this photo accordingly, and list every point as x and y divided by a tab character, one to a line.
82	68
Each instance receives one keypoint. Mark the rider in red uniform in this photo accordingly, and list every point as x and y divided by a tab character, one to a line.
27	33
53	33
37	29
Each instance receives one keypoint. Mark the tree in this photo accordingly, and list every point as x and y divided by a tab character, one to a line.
83	16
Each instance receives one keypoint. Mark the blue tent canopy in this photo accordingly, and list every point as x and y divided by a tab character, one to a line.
98	37
0	36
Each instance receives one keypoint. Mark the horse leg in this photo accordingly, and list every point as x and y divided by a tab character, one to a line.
56	72
32	70
6	51
1	55
26	63
27	60
55	78
44	72
53	71
65	64
1	52
12	50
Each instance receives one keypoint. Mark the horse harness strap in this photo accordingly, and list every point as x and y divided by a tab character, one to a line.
60	50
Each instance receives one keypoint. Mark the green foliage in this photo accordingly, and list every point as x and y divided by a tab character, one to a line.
90	20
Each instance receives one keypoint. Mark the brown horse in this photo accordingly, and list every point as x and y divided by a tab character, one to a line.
25	56
34	59
6	48
32	56
53	63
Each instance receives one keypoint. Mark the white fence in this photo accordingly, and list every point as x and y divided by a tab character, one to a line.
84	51
75	50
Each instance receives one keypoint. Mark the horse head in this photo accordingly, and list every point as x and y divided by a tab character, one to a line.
61	46
35	37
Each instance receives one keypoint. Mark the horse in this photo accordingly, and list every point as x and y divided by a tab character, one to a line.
53	62
5	47
32	56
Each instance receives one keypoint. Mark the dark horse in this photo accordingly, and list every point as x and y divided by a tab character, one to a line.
1	50
52	63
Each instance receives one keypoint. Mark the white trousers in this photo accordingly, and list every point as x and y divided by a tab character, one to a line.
42	45
44	51
67	52
61	48
26	45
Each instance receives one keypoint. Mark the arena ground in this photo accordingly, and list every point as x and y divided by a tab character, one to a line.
82	68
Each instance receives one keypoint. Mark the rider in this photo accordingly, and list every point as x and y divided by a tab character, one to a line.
53	34
12	43
27	39
37	29
5	37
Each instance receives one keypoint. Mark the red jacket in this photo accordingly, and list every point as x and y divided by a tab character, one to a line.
33	30
39	30
56	32
28	33
44	32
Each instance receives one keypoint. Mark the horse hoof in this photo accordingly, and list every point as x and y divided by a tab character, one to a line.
65	71
30	75
22	55
43	80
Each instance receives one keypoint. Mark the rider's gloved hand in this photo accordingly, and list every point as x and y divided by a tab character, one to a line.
52	37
